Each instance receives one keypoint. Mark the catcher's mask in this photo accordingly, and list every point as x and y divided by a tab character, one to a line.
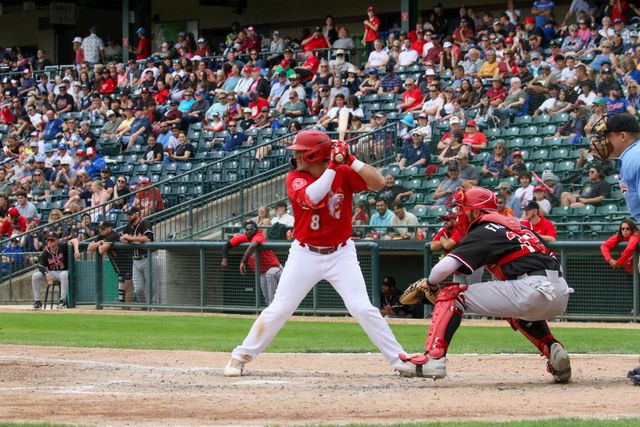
600	145
465	200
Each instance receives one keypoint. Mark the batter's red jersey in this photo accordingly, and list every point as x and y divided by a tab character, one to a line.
268	259
329	222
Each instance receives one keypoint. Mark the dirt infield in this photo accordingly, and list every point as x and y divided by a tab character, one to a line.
118	387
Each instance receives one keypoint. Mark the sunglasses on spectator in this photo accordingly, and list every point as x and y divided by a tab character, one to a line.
37	174
582	23
625	228
122	181
232	125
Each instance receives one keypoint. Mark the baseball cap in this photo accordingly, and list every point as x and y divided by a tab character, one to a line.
110	113
454	120
201	40
140	31
13	212
138	108
65	162
618	21
372	71
77	40
532	205
246	110
40	158
91	151
453	165
517	153
539	188
144	90
447	45
379	114
62	146
339	52
529	20
105	169
80	152
429	72
284	63
471	124
599	101
623	122
131	210
48	148
504	186
633	34
352	70
547	175
389	281
105	224
181	34
423	116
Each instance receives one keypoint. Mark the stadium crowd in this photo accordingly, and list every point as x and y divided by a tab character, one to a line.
63	126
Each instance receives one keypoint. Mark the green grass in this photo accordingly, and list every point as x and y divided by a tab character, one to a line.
210	333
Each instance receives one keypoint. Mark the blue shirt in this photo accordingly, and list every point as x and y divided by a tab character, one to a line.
233	141
185	105
376	219
140	123
618	106
630	178
542	5
413	154
52	128
93	170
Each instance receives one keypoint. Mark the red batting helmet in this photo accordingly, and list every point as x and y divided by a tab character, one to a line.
315	144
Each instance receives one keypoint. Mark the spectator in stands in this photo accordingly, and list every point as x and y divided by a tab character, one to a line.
503	208
196	112
40	189
24	206
330	120
517	166
514	101
184	150
408	56
617	104
524	193
94	163
262	219
449	185
415	152
390	306
469	174
453	147
411	98
599	114
541	225
475	139
370	85
281	215
13	223
540	197
403	218
378	58
381	219
391	192
339	65
294	107
627	232
53	126
489	67
54	265
434	103
92	47
12	258
149	200
593	192
371	30
154	152
110	127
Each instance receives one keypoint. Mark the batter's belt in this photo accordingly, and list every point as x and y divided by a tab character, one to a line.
323	250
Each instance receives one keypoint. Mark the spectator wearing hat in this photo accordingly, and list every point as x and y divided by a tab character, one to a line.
448	236
593	192
449	185
78	51
475	139
390	306
247	122
92	47
94	163
140	128
432	106
540	197
143	50
149	201
538	223
424	127
54	266
517	166
64	102
65	177
13	223
278	88
63	153
370	84
110	128
12	256
414	152
339	65
454	125
316	40
453	147
497	93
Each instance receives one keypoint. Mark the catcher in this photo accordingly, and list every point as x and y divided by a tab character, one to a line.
529	287
619	136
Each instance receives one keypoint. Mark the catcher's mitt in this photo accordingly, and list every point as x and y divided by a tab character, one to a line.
416	294
634	375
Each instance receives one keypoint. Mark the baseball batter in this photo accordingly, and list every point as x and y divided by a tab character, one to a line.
321	189
528	289
270	268
619	136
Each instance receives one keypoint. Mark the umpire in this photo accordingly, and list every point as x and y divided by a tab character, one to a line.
619	136
146	272
120	259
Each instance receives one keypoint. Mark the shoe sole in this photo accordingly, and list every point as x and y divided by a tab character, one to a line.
561	365
232	372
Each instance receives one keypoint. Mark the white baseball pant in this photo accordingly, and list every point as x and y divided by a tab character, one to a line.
527	297
302	271
38	279
269	283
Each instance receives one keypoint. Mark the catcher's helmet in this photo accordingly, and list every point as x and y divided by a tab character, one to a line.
474	198
315	144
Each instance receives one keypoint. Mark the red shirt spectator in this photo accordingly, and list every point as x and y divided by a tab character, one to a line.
371	34
434	53
148	201
418	44
315	41
541	225
161	96
412	92
6	116
251	42
497	95
474	138
462	33
107	86
268	258
257	106
313	62
620	12
13	220
144	48
626	257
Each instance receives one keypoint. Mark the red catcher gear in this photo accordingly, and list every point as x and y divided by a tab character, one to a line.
446	317
464	200
315	144
531	329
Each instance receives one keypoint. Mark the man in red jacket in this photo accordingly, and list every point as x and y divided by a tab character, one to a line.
14	221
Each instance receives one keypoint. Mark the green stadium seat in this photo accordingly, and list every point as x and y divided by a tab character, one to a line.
567	166
410	171
394	170
540	154
414	184
492	133
523	121
547	130
529	131
560	154
542	119
511	132
545	166
420	211
430	184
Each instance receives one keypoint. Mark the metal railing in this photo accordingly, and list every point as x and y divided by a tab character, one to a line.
191	278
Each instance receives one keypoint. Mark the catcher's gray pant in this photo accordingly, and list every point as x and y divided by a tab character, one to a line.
301	273
527	297
146	278
469	279
269	283
40	279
